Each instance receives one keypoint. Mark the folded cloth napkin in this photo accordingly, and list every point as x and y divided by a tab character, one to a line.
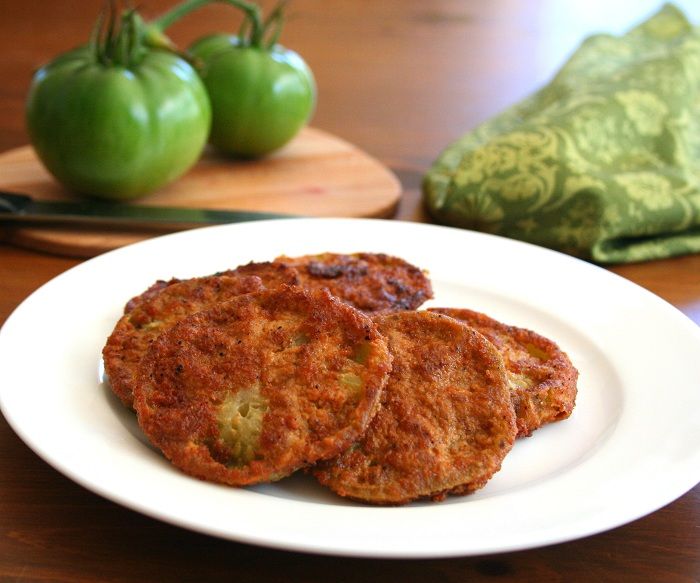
602	163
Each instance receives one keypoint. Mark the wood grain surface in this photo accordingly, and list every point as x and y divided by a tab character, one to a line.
316	174
400	79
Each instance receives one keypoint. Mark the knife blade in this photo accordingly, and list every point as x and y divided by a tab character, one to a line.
22	208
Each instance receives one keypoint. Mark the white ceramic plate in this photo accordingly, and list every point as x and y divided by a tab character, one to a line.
631	446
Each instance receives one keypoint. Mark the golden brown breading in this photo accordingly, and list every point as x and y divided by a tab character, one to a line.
541	376
446	420
262	385
371	282
152	291
270	273
139	327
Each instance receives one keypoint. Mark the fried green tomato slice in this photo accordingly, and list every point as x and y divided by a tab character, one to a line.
263	385
138	328
446	420
270	273
371	282
541	376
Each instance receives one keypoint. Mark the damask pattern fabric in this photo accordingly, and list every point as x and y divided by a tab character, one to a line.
602	163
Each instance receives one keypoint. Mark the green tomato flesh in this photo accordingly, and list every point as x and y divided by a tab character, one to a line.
260	98
115	132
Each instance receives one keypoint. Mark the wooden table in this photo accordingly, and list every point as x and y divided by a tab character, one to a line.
401	79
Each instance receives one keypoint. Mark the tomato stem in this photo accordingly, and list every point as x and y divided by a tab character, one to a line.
274	22
252	13
118	37
95	44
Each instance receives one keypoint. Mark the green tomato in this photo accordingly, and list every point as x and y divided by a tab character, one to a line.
117	131
261	97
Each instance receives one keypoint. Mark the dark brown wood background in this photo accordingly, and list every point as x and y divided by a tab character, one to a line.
400	79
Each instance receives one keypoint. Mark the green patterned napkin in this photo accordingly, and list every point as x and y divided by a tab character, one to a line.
603	163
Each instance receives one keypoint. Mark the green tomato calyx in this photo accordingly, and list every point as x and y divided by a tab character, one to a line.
120	37
267	32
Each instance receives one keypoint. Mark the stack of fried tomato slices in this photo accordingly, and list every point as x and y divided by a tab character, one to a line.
324	363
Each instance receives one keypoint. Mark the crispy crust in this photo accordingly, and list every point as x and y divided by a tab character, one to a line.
152	291
260	386
270	273
541	376
446	421
371	282
138	328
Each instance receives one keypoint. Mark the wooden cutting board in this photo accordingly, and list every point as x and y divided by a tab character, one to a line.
317	174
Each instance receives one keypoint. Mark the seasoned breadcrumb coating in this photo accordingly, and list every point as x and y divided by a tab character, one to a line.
446	420
260	386
371	282
541	377
139	327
